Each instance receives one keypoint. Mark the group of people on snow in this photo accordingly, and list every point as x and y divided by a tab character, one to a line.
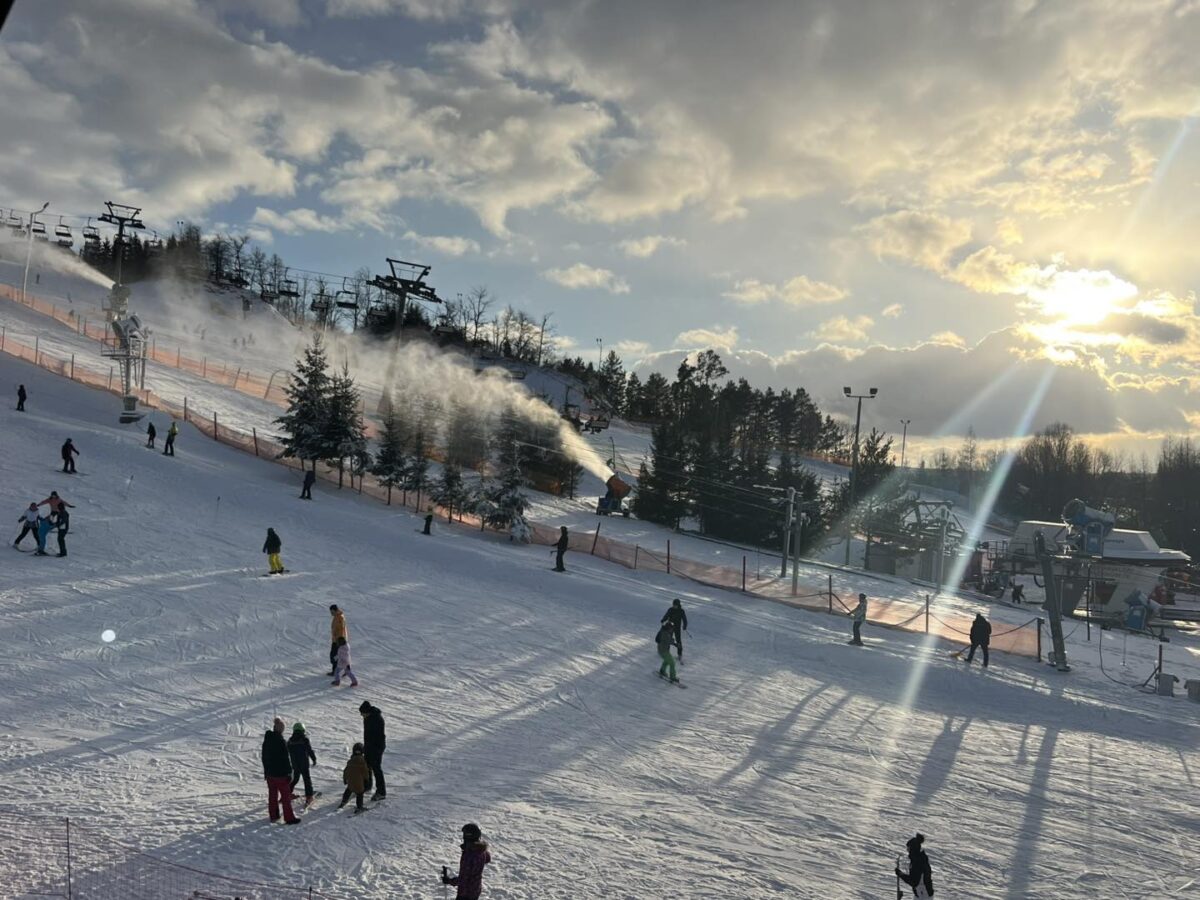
34	523
980	634
172	433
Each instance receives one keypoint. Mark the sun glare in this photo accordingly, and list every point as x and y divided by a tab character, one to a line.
1082	296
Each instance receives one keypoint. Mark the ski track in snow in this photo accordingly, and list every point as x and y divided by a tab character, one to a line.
526	702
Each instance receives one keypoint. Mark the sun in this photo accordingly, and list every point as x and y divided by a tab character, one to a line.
1082	296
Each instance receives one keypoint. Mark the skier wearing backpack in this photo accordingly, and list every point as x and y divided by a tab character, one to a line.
665	639
475	856
677	619
919	876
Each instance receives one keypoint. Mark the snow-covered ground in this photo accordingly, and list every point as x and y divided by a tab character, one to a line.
793	765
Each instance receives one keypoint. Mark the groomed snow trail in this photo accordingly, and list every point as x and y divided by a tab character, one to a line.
525	700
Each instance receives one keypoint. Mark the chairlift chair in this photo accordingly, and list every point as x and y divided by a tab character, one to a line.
14	222
288	288
346	300
155	246
39	230
320	302
267	295
377	314
62	234
91	232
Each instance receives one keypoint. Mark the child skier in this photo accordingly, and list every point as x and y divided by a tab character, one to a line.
665	639
357	778
301	752
151	434
272	547
859	615
475	856
919	876
343	664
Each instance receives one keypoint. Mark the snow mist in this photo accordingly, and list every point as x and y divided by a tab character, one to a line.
46	255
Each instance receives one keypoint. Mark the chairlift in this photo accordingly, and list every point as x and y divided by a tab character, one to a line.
39	230
62	234
289	288
377	314
154	246
268	295
91	232
321	302
14	222
346	298
237	279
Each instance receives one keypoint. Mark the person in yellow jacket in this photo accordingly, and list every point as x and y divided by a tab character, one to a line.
337	629
172	433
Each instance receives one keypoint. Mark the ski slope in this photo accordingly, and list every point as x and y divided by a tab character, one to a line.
793	765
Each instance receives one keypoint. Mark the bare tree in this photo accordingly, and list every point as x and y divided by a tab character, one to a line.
478	301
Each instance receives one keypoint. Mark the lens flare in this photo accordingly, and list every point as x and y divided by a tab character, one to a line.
108	635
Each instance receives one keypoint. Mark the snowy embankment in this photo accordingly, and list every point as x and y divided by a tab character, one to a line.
524	700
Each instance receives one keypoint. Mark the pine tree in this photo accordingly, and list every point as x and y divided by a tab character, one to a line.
308	392
507	502
391	463
449	492
344	437
416	478
660	495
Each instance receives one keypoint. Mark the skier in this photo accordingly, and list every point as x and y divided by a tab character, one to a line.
665	639
428	521
62	521
56	503
301	753
1018	592
475	856
374	742
560	548
172	433
277	770
29	524
357	778
151	434
310	477
21	397
68	456
337	629
677	619
981	636
919	876
271	547
44	526
859	615
342	667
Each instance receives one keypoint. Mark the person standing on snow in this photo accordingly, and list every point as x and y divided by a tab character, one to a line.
56	503
21	398
374	742
342	667
62	522
981	636
277	770
68	457
29	524
859	615
560	548
271	547
665	639
677	619
337	629
44	526
301	753
475	856
428	529
1018	592
310	478
356	777
151	434
919	876
172	433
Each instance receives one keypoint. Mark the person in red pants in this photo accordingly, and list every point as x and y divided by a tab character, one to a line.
277	770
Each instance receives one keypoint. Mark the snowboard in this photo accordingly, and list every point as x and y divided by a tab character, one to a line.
270	574
677	682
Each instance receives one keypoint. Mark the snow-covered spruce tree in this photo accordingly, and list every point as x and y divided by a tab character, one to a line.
304	424
449	491
466	437
343	437
391	461
507	501
416	478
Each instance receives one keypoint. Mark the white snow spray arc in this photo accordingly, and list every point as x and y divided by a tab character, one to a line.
46	255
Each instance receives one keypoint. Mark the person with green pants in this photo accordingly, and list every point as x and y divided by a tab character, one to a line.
665	639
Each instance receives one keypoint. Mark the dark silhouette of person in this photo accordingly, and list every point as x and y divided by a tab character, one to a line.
981	636
560	549
310	476
21	397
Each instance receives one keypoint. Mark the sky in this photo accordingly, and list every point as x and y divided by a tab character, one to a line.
972	206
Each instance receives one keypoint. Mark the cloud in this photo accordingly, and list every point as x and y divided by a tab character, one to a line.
294	221
920	238
892	310
448	245
948	338
581	276
642	248
798	291
843	329
628	349
718	337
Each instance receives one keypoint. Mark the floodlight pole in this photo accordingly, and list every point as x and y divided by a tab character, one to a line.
904	440
854	459
29	249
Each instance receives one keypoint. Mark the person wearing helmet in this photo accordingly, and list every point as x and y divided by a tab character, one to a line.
475	856
29	524
301	753
357	778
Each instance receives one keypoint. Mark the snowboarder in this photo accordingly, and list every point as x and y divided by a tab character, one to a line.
68	456
475	856
342	666
271	547
56	503
310	477
1018	592
981	636
677	618
374	742
560	548
357	778
62	521
151	434
665	639
301	753
21	397
277	770
29	524
172	433
337	629
919	876
859	615
428	521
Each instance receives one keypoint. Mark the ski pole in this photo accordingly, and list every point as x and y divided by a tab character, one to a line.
445	875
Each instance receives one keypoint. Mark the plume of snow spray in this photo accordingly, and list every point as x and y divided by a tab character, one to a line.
47	255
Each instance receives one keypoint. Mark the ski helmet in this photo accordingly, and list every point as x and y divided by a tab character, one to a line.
359	748
471	832
298	728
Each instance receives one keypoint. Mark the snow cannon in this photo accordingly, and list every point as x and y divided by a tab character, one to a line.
617	488
1092	525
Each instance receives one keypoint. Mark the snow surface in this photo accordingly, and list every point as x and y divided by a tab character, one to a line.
793	765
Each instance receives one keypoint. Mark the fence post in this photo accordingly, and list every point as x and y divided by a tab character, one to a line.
254	431
1039	621
68	858
72	366
185	414
110	378
668	557
595	539
178	357
636	549
236	376
204	369
927	614
37	339
831	592
3	329
743	573
215	438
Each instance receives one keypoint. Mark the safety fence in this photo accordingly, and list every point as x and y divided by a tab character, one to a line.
47	856
811	594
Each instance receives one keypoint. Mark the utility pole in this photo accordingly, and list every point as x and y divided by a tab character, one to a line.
854	461
29	249
789	522
904	440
